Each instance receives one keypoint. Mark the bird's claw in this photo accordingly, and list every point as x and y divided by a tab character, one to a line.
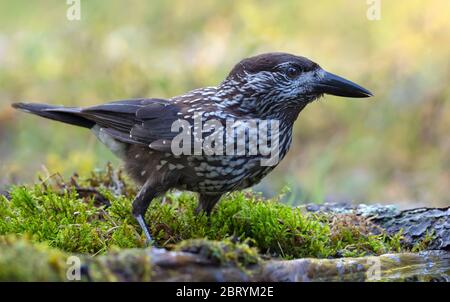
149	242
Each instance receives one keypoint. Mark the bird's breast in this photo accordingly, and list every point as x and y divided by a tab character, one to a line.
228	173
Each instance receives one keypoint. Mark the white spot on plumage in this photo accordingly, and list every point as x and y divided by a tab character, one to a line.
212	174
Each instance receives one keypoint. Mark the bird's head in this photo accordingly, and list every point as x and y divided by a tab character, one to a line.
277	82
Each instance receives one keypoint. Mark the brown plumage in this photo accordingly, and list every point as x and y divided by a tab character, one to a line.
268	87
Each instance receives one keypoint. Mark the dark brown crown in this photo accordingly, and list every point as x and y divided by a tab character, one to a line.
270	62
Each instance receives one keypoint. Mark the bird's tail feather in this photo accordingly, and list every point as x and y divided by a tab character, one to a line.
68	115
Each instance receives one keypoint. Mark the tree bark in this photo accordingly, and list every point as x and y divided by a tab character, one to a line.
414	223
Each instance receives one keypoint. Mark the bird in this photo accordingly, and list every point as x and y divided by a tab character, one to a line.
272	86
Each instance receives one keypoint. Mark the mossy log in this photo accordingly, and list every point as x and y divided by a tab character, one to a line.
421	224
204	260
22	261
225	258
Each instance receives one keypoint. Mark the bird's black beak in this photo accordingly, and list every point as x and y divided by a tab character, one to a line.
335	85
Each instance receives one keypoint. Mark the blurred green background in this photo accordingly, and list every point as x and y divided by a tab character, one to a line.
393	148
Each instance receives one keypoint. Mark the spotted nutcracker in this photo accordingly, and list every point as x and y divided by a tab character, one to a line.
271	86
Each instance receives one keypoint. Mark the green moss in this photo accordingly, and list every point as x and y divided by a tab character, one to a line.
78	223
424	243
223	252
22	261
66	221
124	265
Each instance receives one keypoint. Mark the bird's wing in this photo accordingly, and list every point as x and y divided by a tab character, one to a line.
139	121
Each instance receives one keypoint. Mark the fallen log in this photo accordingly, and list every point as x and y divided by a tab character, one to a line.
416	224
22	260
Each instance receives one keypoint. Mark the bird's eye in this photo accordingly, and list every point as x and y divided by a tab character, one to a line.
292	72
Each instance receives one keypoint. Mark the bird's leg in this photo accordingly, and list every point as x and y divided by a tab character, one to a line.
145	228
206	203
140	206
